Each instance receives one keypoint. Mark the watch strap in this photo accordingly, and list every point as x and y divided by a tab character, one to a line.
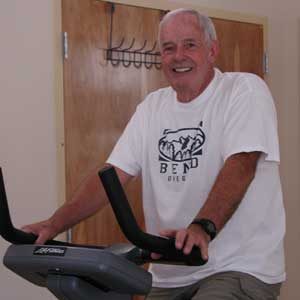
208	226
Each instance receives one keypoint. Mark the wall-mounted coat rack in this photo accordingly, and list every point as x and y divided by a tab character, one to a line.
127	56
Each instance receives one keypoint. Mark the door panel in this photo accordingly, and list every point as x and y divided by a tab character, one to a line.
241	45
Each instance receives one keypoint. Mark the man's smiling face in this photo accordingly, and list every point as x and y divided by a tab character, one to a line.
187	58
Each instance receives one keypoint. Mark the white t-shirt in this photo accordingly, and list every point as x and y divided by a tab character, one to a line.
179	148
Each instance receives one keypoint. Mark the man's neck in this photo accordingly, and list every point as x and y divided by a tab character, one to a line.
187	95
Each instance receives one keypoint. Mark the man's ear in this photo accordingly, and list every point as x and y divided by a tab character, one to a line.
214	51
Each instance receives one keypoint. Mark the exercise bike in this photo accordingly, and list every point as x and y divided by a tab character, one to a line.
86	272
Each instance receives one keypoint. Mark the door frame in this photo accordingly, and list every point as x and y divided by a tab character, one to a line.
59	103
58	74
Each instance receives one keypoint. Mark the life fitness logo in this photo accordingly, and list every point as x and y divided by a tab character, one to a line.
49	251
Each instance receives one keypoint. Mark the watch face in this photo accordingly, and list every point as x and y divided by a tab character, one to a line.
210	227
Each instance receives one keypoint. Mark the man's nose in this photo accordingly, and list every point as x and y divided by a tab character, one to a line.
180	53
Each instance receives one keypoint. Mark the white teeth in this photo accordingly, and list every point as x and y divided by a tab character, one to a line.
182	70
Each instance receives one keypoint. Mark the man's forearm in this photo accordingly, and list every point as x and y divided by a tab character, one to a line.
87	200
229	188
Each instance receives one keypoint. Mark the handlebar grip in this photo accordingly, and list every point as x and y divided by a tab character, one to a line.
7	230
132	231
175	255
170	259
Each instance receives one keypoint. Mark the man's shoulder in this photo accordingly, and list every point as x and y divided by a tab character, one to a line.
242	87
155	101
158	97
246	79
164	92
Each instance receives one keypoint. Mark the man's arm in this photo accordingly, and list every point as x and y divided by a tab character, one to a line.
87	200
224	198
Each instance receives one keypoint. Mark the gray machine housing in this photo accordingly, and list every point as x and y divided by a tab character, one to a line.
80	272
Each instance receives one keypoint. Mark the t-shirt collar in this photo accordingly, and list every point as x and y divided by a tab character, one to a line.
203	97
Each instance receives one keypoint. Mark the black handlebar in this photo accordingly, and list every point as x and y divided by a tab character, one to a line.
7	230
124	216
132	231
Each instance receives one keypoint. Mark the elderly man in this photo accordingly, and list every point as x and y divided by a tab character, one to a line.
207	150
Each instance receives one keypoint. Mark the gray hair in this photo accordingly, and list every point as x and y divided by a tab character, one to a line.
205	23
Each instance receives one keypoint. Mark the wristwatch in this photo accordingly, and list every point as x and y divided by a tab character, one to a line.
208	226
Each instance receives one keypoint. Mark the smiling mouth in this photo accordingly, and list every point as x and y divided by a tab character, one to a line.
182	70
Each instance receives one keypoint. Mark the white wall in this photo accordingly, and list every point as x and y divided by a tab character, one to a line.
27	116
27	122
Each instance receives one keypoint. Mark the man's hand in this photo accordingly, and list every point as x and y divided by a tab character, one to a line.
44	230
186	238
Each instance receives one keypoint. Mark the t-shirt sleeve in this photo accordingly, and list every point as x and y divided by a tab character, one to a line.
250	121
127	153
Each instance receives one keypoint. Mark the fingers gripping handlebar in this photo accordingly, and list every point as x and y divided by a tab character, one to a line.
131	230
7	230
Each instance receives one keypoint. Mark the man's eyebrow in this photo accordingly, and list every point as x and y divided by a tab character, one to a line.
191	40
187	40
165	44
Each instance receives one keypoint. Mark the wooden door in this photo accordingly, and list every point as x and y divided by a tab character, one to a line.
100	98
242	46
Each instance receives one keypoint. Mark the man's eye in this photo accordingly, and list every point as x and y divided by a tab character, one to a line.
168	49
190	45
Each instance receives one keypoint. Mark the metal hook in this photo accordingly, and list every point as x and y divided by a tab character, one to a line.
131	45
148	64
148	53
156	63
118	47
153	48
138	63
109	56
115	62
126	63
142	48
